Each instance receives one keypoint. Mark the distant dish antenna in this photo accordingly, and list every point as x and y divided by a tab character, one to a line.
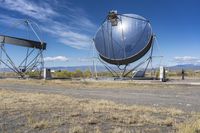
33	59
123	39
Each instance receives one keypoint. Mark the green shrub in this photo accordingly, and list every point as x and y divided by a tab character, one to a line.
87	74
77	74
34	74
63	74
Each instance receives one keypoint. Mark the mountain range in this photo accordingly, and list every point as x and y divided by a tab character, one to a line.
102	68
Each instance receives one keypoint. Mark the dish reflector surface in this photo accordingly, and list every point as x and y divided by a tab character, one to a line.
125	41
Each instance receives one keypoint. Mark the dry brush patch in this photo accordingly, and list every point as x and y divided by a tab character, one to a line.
82	84
190	126
35	112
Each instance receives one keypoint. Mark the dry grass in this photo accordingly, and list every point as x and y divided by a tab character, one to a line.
81	84
34	112
190	126
40	125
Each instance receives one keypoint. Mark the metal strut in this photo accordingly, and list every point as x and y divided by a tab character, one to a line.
112	71
29	63
149	59
124	72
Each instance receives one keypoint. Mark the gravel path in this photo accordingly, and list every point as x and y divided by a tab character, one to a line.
184	97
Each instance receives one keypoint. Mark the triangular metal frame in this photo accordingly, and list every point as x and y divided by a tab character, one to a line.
124	72
26	65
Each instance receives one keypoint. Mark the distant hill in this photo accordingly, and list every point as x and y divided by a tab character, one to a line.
82	68
102	68
71	69
5	70
185	67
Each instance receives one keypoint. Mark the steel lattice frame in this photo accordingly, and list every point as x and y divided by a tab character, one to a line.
27	64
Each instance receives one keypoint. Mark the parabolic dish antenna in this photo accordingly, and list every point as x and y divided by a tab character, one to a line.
123	38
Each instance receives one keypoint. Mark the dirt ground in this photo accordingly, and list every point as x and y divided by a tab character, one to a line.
87	106
181	96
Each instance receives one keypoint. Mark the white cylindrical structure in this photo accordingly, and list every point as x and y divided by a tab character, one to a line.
162	74
47	73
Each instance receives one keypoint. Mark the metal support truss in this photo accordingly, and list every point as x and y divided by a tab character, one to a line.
123	72
30	62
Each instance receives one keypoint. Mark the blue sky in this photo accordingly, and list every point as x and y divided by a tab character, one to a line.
68	26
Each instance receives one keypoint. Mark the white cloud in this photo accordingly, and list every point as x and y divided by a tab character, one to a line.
29	8
74	28
187	60
7	19
85	59
56	58
69	37
79	18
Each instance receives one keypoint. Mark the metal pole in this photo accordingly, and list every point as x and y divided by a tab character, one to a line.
94	65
